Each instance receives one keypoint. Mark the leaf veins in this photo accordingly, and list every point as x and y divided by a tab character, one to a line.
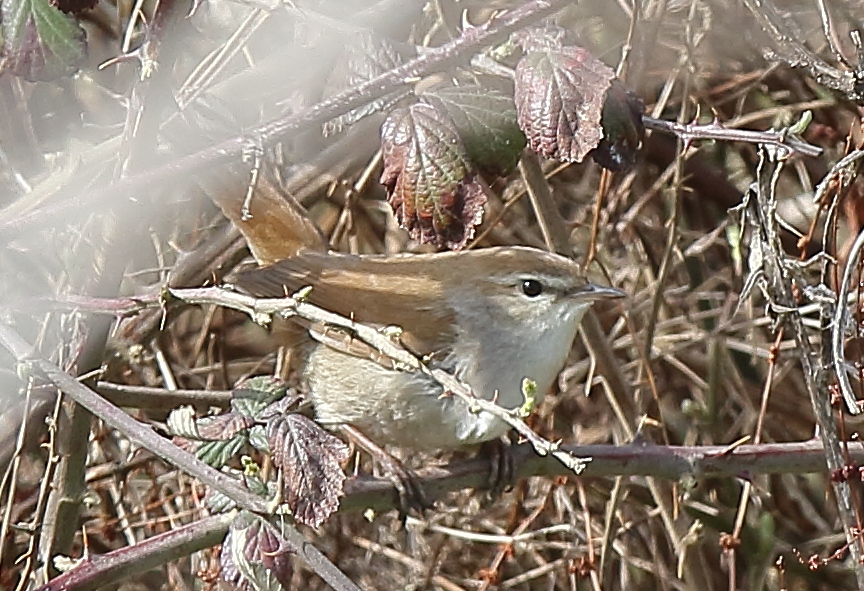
432	187
559	95
310	459
40	42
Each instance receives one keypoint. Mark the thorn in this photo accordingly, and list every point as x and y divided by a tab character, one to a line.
734	445
715	119
193	8
125	57
466	24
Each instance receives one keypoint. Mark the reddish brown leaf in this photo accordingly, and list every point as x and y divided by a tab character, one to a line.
255	555
559	95
223	427
76	6
310	459
433	189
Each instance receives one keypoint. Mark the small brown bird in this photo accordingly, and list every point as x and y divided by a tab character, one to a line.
491	316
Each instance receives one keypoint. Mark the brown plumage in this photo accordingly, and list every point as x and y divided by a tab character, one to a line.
492	317
356	286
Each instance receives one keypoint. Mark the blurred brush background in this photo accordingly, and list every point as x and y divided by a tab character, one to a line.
108	182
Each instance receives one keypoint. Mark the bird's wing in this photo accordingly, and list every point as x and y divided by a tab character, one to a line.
378	291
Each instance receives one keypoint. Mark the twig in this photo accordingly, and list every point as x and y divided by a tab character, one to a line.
841	174
838	326
555	230
362	493
145	397
102	571
416	565
716	131
669	462
747	489
10	475
776	282
831	33
796	54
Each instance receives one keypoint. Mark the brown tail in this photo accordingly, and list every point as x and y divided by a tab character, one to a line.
277	227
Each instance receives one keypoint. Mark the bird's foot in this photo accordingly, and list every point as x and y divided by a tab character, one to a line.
501	468
409	491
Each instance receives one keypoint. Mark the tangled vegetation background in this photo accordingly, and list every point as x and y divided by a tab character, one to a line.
715	410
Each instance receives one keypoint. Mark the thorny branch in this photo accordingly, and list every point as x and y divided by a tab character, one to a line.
796	54
363	493
688	132
146	437
262	310
776	276
716	131
473	38
842	172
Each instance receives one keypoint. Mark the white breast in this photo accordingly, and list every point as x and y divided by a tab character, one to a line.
501	368
407	409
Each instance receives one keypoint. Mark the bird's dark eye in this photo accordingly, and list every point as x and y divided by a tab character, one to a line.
532	288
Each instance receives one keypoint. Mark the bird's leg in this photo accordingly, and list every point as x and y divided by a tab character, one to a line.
411	495
501	467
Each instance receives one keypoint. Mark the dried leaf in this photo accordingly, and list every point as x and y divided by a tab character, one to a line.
76	6
559	96
217	439
486	121
432	187
310	459
623	130
40	43
181	422
255	555
214	440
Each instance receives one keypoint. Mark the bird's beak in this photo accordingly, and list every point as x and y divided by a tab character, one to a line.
590	291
